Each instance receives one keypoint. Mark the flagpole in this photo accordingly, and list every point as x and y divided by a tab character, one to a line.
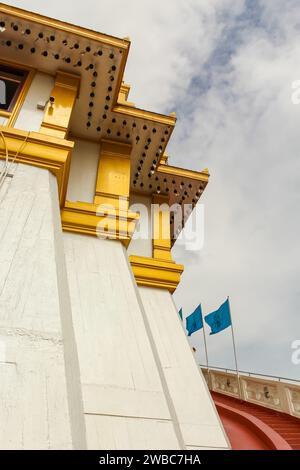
235	355
205	346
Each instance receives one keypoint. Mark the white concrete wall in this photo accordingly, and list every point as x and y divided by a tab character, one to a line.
30	118
198	421
83	171
3	121
38	365
141	245
126	403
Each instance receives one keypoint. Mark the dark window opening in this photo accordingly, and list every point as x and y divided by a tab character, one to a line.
11	83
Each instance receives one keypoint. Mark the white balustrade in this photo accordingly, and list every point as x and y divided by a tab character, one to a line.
268	392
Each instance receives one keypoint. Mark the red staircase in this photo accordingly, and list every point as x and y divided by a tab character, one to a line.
250	426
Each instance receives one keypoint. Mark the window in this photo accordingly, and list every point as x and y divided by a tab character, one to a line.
11	84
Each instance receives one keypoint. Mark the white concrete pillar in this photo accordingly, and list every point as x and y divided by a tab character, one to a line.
196	415
40	396
126	404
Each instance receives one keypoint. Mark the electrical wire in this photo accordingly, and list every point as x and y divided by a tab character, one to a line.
4	171
9	163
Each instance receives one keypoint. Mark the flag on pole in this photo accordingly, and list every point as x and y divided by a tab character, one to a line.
194	322
220	319
180	313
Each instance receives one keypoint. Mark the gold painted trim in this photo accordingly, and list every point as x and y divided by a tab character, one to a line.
123	95
143	114
149	272
122	44
113	176
161	228
164	159
58	114
86	219
89	35
65	27
182	173
113	148
21	98
5	114
42	151
125	90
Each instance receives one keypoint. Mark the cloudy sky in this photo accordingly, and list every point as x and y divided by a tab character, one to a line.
226	67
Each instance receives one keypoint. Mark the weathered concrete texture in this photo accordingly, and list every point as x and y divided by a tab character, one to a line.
125	403
31	118
35	387
88	359
196	415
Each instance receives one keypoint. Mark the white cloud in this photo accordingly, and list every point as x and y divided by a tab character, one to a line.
247	132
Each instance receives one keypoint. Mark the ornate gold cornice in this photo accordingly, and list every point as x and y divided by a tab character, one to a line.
64	27
123	95
42	151
137	113
95	220
93	127
183	173
150	272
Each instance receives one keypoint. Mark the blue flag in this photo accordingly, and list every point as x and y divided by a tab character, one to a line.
220	319
180	313
194	321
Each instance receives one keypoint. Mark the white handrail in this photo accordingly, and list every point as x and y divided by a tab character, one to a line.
281	394
251	374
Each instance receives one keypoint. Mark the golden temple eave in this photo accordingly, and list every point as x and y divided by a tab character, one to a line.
104	115
64	26
102	111
118	45
185	173
156	118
